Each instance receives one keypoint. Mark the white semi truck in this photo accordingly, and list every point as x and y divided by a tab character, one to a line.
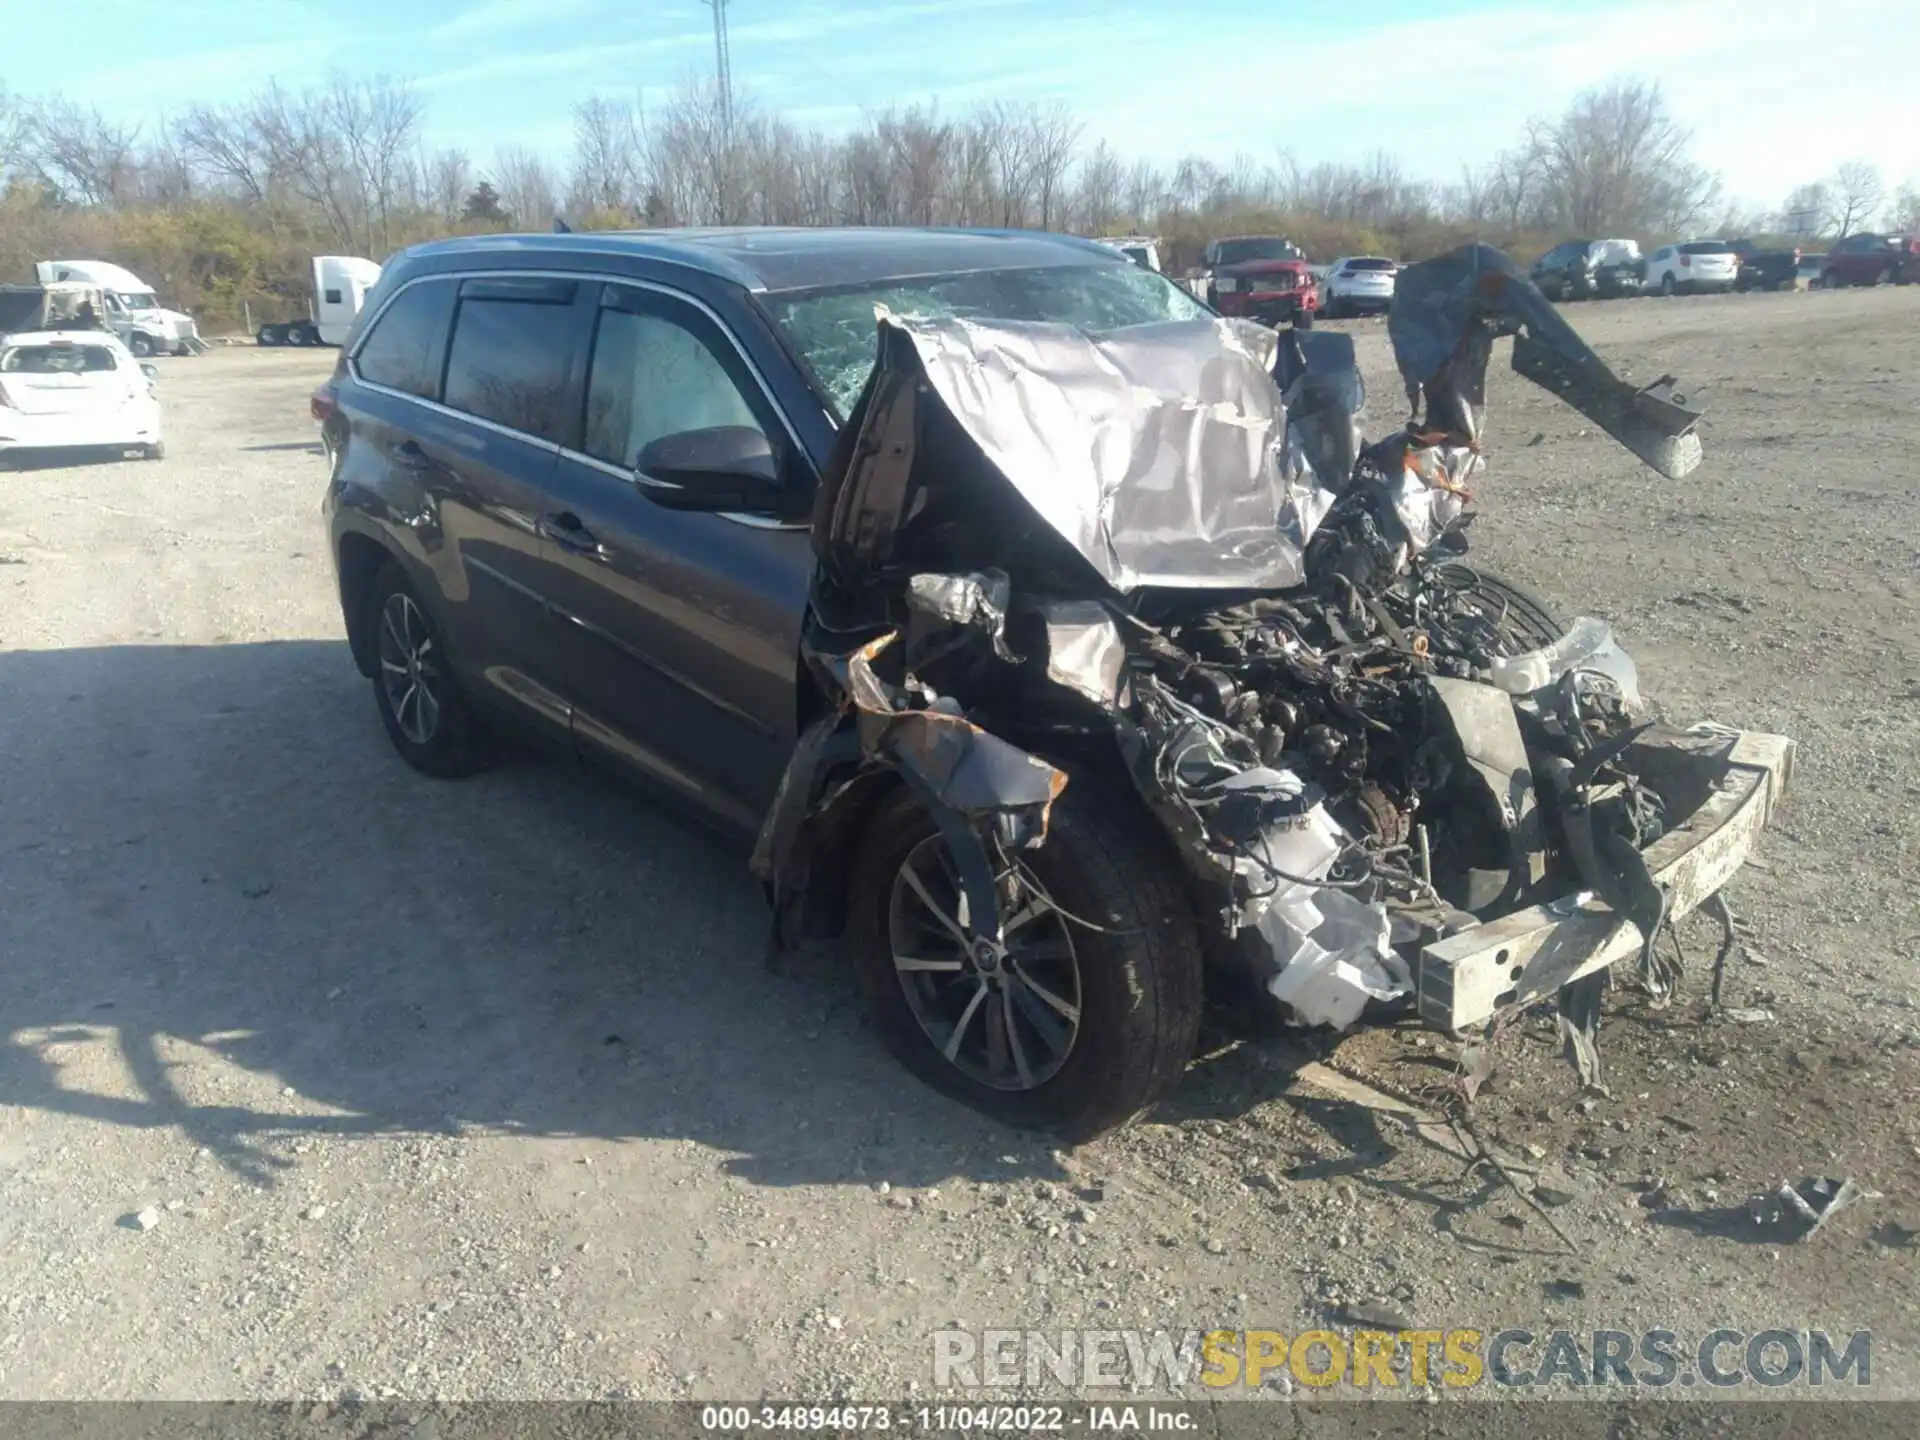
134	311
340	286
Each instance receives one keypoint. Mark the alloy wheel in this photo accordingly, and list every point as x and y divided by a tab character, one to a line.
409	668
1007	1018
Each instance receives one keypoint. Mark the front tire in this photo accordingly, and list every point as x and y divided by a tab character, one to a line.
140	345
1076	1030
425	715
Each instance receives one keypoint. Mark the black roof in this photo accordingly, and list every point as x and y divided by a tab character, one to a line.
796	258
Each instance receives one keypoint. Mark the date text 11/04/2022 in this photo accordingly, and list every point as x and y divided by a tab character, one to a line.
961	1419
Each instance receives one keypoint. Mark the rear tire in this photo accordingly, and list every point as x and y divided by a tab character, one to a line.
1136	1011
1830	280
414	687
296	335
1667	286
156	451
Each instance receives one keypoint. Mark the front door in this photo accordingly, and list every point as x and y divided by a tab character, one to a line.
680	631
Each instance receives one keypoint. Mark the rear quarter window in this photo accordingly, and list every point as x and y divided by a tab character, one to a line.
402	349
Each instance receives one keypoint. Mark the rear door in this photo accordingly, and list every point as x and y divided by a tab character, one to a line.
462	386
680	630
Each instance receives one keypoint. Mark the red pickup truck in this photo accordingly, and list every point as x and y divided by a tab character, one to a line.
1263	277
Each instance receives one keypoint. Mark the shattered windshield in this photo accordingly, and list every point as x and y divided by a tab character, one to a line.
833	329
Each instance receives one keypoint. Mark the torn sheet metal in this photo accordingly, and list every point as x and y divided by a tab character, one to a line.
1154	452
952	761
1446	313
975	602
1084	650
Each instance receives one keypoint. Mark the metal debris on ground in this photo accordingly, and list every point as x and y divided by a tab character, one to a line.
1798	1211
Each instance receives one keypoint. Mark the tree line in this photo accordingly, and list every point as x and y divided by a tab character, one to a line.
221	204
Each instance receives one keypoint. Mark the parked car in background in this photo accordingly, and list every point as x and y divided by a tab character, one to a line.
1696	267
1764	268
1358	285
1590	269
1140	249
1872	260
76	390
1263	277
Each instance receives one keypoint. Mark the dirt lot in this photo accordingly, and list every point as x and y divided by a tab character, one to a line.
486	1089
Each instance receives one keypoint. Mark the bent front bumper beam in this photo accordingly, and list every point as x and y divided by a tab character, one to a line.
1465	979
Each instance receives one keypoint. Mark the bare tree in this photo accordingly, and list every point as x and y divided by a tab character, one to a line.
1857	193
81	153
376	123
448	180
1101	191
1146	193
1903	214
606	155
1011	140
525	184
1054	135
1616	163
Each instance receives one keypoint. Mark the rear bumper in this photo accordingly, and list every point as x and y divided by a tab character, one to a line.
135	426
1528	956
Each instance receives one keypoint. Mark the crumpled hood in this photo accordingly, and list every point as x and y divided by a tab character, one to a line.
1161	454
1155	452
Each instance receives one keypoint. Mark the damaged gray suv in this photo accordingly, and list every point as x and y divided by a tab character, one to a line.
1066	646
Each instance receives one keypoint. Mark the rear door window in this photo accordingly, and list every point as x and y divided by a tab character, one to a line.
659	367
515	347
403	349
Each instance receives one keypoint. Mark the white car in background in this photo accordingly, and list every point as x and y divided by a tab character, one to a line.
1358	285
76	390
1696	266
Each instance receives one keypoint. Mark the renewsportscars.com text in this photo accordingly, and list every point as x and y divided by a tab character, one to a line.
1456	1359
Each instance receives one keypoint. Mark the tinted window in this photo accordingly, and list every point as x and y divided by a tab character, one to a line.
57	360
509	362
1704	247
655	373
402	351
1353	265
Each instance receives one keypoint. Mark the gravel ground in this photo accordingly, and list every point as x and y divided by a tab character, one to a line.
321	1079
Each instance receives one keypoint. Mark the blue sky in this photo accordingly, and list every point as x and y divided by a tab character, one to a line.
1776	91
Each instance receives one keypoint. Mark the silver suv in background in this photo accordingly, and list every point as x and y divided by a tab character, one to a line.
1697	266
1358	285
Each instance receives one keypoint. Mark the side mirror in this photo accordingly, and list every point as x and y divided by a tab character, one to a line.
723	467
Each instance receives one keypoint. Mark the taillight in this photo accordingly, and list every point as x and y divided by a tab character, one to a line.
322	406
1686	262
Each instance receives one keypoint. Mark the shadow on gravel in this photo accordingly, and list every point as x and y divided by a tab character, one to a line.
212	858
75	458
306	447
